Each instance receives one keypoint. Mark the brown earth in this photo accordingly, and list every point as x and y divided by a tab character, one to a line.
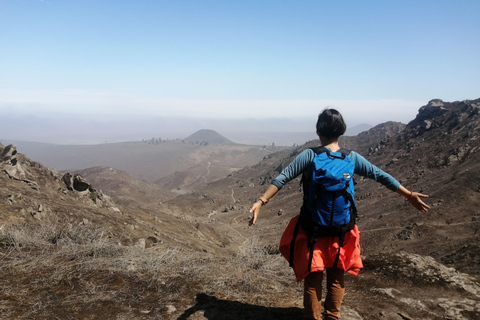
68	255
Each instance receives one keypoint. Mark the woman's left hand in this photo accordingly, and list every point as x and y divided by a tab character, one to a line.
417	202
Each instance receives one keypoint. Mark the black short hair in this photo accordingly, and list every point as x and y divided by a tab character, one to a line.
330	124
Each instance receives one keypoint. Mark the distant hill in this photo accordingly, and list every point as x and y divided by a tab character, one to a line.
353	131
206	136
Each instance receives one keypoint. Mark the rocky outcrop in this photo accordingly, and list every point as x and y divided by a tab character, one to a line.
427	271
79	184
9	163
442	134
76	183
18	167
446	115
13	168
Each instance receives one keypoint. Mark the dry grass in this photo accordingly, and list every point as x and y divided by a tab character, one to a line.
64	271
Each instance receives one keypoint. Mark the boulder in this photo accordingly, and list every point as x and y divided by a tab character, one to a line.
10	164
79	184
76	183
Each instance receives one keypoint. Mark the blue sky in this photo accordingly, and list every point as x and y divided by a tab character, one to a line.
120	60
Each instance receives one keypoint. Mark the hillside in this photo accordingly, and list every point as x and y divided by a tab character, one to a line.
85	255
124	188
67	251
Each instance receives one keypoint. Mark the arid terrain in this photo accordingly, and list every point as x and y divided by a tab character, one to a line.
153	159
107	245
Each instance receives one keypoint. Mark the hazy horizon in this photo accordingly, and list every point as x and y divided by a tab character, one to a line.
245	131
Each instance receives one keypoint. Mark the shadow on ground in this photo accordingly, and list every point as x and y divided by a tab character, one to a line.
215	309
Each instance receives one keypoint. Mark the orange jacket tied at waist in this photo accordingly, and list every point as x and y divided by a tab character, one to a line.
325	251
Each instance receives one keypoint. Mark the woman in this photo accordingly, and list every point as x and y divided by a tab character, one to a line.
330	126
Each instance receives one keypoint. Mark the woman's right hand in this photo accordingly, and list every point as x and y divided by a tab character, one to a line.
255	210
271	191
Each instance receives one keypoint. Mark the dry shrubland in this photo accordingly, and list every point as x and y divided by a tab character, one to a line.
56	271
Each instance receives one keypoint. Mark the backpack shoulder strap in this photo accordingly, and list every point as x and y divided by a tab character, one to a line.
344	151
322	149
319	150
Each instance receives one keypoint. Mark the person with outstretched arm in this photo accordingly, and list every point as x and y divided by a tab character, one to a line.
330	126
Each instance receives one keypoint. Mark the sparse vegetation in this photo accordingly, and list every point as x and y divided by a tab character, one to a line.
93	196
98	278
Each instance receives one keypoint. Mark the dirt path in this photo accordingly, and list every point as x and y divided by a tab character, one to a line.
208	172
420	225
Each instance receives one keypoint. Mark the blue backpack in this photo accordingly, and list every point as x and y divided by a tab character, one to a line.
328	190
328	208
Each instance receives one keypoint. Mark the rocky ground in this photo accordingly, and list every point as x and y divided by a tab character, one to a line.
71	251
